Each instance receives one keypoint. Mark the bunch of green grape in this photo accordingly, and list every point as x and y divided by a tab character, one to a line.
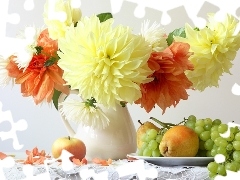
205	130
151	140
211	143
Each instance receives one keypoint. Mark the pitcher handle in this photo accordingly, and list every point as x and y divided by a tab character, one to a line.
66	123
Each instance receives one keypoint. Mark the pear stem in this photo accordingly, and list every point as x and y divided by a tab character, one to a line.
140	122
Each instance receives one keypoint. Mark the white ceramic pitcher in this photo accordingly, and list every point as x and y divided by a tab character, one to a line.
115	141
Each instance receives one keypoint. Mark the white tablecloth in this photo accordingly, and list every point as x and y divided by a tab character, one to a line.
164	173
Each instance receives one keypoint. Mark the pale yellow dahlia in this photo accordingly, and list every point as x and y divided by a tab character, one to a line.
59	15
4	77
80	113
103	62
154	35
214	48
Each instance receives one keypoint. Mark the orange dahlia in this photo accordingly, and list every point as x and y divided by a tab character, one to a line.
42	74
170	82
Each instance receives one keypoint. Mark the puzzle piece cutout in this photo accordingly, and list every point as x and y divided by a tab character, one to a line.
192	7
137	167
20	125
28	11
89	173
7	162
161	15
6	17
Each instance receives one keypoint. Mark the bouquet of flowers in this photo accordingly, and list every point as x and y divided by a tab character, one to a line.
110	65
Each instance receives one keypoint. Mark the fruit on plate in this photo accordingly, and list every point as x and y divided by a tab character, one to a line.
179	141
142	130
73	145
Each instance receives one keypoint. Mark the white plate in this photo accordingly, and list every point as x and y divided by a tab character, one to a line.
175	161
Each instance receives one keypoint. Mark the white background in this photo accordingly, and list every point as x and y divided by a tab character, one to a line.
44	124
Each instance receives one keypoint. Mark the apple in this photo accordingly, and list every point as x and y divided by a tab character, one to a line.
73	145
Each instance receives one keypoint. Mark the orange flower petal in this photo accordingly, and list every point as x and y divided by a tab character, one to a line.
50	46
170	82
102	162
2	155
12	68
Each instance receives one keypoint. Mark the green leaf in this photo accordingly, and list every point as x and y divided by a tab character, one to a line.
177	32
50	61
39	49
123	104
104	16
55	97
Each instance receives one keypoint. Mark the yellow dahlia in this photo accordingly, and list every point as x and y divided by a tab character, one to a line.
103	62
59	15
214	48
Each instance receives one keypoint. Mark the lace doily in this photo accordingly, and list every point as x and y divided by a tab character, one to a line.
164	173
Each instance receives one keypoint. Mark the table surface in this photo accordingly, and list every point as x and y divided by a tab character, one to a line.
56	172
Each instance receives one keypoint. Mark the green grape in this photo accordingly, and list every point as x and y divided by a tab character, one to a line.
144	137
192	118
148	138
164	131
221	150
212	167
214	128
221	170
159	138
156	153
234	130
223	143
190	124
214	152
216	122
230	137
212	175
208	154
237	136
208	145
153	144
147	152
200	122
236	145
236	156
236	164
231	167
207	127
152	133
205	135
222	128
144	145
198	129
214	135
218	140
229	147
208	121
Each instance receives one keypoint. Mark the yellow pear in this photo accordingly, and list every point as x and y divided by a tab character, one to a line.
142	130
179	141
